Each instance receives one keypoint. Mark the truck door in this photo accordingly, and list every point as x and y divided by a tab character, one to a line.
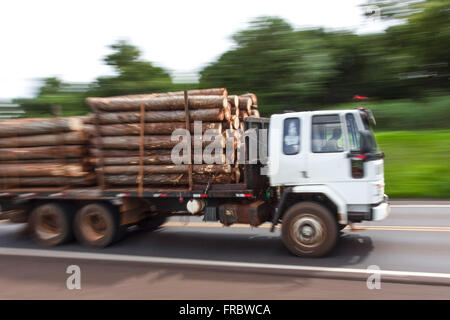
292	159
327	158
288	152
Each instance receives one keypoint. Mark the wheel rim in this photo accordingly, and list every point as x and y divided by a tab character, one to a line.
94	226
308	231
48	225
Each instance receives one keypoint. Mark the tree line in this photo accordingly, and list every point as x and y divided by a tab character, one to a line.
290	68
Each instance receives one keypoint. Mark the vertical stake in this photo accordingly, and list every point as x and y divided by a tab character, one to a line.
141	151
100	168
188	128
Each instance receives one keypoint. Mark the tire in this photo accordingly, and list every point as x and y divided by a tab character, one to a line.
309	230
98	225
151	223
51	224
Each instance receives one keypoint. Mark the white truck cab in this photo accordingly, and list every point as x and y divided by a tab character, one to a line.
329	159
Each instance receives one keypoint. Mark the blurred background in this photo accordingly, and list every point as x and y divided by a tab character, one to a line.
396	53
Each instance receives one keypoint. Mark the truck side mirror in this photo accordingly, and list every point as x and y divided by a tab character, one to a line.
365	141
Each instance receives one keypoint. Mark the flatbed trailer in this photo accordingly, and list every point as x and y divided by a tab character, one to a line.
133	205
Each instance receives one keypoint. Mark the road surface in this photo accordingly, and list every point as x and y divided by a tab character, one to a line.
189	259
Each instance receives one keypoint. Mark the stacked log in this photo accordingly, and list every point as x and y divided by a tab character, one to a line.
44	153
133	143
248	103
249	108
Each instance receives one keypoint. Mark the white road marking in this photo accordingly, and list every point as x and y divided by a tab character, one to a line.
210	263
268	225
420	205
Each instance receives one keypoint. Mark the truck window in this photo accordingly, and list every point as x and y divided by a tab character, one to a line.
327	134
352	131
291	136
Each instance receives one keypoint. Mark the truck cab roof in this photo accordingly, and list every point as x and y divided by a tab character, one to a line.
318	112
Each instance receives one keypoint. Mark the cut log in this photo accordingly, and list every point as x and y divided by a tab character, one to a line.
161	155
243	115
245	103
127	103
254	113
232	124
163	169
90	130
195	92
168	179
235	122
14	182
227	113
153	160
165	116
233	101
88	119
152	128
55	161
150	142
252	96
227	125
44	140
41	153
24	127
41	169
234	111
127	153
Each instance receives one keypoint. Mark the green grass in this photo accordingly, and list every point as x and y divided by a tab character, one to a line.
407	114
417	163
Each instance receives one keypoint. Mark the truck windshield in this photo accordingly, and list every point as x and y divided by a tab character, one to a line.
367	122
353	131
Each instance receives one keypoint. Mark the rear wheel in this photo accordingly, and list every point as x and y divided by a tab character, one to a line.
309	230
98	225
51	224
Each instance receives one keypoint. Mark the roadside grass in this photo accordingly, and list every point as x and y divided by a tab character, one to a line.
417	163
407	114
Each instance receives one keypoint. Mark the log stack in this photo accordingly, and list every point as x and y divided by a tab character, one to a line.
248	103
133	143
44	153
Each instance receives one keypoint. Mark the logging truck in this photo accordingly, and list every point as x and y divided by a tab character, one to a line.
312	173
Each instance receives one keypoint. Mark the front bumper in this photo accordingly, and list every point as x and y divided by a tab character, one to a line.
381	211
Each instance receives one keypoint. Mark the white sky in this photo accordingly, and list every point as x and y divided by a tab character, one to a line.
69	38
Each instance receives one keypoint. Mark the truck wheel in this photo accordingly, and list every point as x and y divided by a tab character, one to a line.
151	223
98	225
309	230
51	224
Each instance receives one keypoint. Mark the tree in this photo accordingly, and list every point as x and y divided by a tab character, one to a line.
417	49
133	75
284	67
50	86
69	97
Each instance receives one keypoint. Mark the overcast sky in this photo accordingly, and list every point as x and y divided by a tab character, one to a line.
69	38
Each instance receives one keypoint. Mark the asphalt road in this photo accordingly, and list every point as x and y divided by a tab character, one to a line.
191	260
